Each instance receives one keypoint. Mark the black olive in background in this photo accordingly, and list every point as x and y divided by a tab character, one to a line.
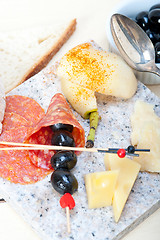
154	7
64	159
154	37
142	20
63	138
157	52
150	23
64	181
61	126
154	19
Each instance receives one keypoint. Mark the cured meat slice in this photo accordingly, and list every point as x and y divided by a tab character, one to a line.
19	134
41	158
58	112
25	107
13	120
22	124
16	166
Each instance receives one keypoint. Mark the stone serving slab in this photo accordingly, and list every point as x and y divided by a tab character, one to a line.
38	203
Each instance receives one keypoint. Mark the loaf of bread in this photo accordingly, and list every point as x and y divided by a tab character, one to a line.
23	53
2	104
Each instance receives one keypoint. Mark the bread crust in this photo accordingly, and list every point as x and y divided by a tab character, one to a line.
44	60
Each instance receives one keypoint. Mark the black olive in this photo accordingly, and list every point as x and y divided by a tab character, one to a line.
154	37
64	181
130	149
142	20
154	7
63	138
150	23
64	159
61	126
157	52
154	19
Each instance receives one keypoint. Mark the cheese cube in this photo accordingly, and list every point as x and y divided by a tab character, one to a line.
128	171
100	188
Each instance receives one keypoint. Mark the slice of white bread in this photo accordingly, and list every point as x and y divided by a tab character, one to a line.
23	53
2	104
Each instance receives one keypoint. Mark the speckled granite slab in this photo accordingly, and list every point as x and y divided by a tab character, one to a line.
38	203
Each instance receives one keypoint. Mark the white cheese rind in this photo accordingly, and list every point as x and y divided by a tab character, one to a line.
146	134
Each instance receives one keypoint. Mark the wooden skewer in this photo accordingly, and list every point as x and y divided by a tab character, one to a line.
26	146
68	220
64	148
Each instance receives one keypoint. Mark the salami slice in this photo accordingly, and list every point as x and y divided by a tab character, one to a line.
16	166
19	134
14	120
21	115
25	121
41	158
58	112
25	107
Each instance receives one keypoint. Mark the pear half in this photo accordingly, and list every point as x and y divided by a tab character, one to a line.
97	71
85	70
82	99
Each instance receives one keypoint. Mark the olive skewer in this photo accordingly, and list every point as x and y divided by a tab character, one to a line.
62	180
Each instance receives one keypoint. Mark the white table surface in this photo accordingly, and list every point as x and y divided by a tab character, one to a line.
91	17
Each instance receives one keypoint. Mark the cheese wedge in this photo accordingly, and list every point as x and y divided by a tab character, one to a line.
146	134
100	188
128	171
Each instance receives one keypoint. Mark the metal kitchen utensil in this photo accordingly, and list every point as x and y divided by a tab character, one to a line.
134	45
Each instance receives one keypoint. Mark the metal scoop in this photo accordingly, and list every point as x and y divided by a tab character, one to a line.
134	45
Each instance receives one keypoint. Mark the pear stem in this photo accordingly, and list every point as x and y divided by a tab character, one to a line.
94	118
